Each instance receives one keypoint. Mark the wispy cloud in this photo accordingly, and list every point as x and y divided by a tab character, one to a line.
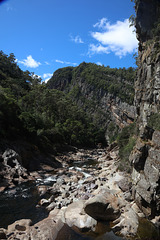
97	49
59	61
99	63
76	39
118	38
65	62
103	23
30	62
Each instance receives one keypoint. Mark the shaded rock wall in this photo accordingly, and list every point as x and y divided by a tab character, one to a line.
145	158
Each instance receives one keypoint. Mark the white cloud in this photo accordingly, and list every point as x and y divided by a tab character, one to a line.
47	63
46	75
70	63
76	39
96	49
59	61
30	62
65	62
99	63
102	23
118	38
46	80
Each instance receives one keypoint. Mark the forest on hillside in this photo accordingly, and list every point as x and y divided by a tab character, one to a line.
38	113
119	82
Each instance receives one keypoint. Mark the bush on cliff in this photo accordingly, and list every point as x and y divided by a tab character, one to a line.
154	121
126	141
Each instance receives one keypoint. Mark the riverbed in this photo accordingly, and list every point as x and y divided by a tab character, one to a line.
84	175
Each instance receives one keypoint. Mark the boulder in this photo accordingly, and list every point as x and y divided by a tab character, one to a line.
127	224
103	207
3	233
124	184
20	225
75	216
48	228
51	206
12	172
11	158
42	189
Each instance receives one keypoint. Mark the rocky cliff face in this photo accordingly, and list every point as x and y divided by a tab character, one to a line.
104	93
146	156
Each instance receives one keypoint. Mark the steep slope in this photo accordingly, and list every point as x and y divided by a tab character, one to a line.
146	156
104	93
46	117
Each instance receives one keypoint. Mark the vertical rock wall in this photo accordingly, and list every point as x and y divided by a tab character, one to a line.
145	157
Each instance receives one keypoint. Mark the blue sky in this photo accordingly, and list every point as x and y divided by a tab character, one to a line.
51	34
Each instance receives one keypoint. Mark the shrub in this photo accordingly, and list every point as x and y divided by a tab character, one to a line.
112	131
126	141
154	121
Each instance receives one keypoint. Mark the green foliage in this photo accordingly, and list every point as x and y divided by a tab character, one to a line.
126	141
47	117
132	20
156	28
154	121
52	115
99	79
12	77
10	125
64	75
88	83
112	131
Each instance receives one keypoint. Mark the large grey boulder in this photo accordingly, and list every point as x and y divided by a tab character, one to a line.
103	207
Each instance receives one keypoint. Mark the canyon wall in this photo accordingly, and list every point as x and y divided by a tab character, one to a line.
145	157
105	94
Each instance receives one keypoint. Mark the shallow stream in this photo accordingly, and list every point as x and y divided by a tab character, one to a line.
20	202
